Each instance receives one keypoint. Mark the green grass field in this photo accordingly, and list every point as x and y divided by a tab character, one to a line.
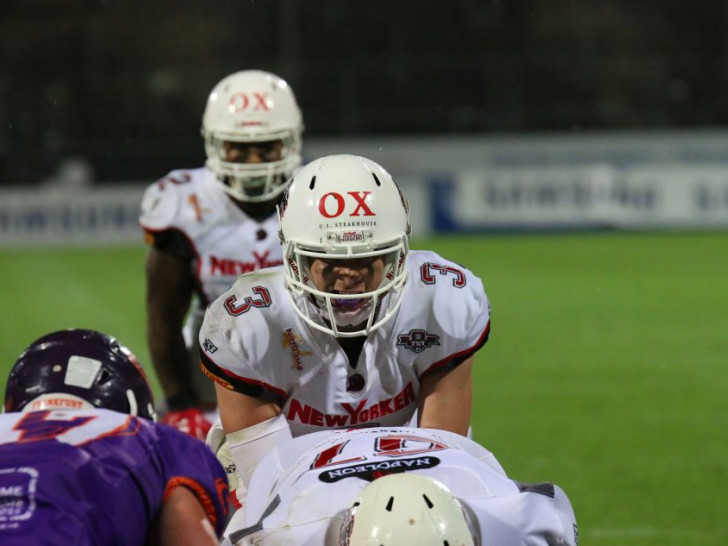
606	371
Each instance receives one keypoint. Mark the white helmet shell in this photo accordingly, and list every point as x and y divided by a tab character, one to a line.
344	207
407	509
247	107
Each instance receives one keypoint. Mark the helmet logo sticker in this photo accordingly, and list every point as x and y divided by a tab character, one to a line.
333	204
350	237
242	101
81	371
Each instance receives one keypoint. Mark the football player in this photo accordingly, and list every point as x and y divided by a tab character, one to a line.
208	225
82	462
354	329
397	486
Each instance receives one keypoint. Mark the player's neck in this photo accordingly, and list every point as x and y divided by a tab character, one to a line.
352	346
257	211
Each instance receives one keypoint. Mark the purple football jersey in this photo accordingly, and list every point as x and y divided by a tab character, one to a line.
97	477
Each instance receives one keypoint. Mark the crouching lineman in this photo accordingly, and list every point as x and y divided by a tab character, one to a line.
82	462
396	486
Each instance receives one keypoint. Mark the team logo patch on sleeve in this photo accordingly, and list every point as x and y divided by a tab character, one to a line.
417	340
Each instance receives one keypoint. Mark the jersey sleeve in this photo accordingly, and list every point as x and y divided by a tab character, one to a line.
457	310
537	514
234	339
565	513
160	209
191	464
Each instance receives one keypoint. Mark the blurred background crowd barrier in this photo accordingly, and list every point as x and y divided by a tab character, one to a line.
454	184
492	115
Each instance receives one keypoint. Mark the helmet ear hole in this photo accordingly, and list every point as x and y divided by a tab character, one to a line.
103	377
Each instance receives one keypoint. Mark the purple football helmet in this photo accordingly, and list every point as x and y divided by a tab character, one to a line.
79	368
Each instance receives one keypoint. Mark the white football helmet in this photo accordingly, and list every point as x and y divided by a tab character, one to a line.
344	207
407	510
252	106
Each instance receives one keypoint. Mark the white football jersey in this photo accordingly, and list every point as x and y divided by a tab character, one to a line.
298	492
253	342
223	242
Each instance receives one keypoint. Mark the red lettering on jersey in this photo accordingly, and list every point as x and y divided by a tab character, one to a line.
298	412
233	268
355	415
385	407
262	260
396	446
335	421
195	202
326	457
354	411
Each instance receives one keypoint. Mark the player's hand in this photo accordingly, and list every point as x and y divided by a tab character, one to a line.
217	442
188	420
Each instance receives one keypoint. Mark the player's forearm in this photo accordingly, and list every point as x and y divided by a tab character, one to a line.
169	357
182	521
446	399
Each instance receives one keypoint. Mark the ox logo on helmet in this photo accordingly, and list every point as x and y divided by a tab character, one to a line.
255	101
334	204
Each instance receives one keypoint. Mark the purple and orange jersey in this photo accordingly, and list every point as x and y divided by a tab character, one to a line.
97	477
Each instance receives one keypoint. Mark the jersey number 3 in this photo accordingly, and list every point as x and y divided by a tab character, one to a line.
262	299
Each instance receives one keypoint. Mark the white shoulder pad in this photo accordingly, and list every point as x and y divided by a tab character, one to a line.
164	200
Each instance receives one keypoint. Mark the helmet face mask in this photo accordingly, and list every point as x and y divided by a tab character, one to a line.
259	109
344	231
77	369
407	509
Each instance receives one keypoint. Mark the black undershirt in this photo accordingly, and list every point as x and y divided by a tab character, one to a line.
352	347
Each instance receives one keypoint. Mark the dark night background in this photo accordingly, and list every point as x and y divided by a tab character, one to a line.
123	84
